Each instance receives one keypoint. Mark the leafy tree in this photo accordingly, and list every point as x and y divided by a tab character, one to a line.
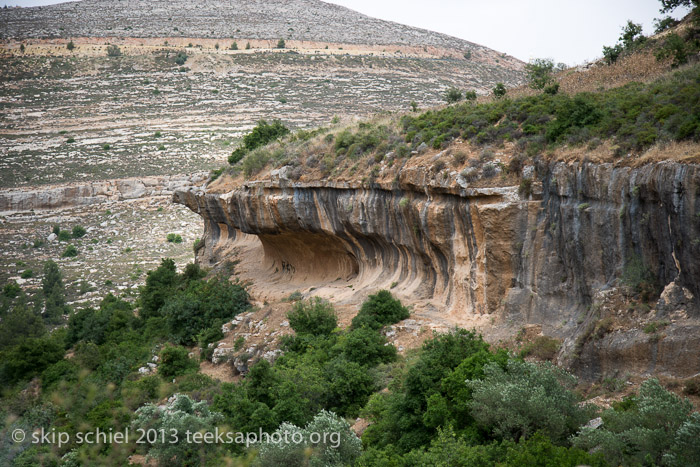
18	322
431	393
110	322
367	347
175	361
180	415
378	310
654	426
338	446
30	357
70	46
160	284
315	317
54	292
539	72
523	398
670	5
631	34
499	90
662	24
202	305
453	95
349	386
281	44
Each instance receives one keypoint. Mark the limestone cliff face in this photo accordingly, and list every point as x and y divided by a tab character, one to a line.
542	258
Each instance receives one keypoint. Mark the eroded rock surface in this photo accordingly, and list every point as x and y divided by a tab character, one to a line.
485	252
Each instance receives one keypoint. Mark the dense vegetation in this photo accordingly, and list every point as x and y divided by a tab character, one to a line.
634	117
454	402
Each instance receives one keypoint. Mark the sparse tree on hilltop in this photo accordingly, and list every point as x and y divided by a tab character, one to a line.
539	72
669	5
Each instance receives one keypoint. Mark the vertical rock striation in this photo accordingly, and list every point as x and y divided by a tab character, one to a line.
541	259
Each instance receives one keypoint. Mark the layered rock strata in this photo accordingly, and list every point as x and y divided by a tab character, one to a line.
541	256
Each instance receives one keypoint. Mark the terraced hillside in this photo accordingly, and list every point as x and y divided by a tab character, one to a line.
158	118
303	20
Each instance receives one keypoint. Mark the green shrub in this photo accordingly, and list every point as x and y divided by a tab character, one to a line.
11	289
378	310
70	140
539	73
639	278
543	348
30	357
64	236
106	146
200	306
175	361
652	430
181	57
70	46
339	445
453	95
113	51
27	273
524	398
181	415
70	252
281	44
263	134
315	317
367	347
499	90
174	238
430	393
78	231
676	48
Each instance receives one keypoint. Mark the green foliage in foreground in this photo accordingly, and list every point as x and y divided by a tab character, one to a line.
454	402
654	427
180	415
332	451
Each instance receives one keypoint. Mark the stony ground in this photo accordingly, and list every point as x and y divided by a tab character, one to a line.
123	241
83	117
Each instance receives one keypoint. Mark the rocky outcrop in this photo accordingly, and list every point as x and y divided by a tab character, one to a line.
57	197
540	258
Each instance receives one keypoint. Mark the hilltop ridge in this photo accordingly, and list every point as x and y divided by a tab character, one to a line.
299	20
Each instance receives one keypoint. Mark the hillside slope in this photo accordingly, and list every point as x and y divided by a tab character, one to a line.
303	20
